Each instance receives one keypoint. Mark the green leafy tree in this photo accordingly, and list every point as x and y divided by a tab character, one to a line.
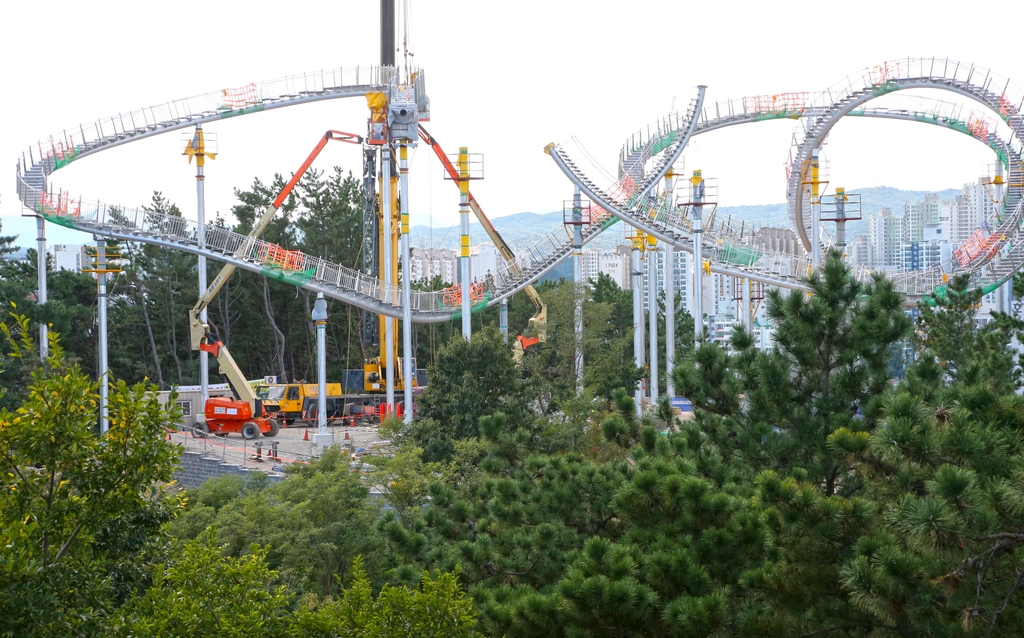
77	509
202	592
471	379
437	608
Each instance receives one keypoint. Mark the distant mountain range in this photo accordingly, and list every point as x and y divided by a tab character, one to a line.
522	230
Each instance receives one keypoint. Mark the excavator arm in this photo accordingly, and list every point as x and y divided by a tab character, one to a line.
538	322
198	330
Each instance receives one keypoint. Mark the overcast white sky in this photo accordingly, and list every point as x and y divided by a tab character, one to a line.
504	79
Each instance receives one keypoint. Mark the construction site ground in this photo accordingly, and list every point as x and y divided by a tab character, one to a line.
292	446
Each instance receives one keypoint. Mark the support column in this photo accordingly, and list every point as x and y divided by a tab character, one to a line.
652	311
467	326
698	255
670	320
815	210
577	253
408	356
748	308
638	313
102	367
503	319
320	318
389	283
670	298
204	357
44	346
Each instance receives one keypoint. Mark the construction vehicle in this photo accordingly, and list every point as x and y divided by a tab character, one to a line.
539	321
286	401
349	409
245	413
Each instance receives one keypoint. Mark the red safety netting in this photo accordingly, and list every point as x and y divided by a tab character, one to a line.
883	73
979	126
980	243
62	205
778	103
242	96
452	295
1006	108
274	255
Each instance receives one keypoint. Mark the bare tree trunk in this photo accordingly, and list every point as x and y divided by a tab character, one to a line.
152	341
174	335
278	335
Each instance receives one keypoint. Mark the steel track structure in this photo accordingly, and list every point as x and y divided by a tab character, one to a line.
632	201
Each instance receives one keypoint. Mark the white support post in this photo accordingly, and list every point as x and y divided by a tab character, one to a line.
204	357
748	308
698	256
44	346
464	273
408	356
815	210
389	332
638	313
652	311
577	252
503	319
670	320
102	368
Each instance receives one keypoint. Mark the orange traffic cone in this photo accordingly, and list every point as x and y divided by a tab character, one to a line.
346	436
305	437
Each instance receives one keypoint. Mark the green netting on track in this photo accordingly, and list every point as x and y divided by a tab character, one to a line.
229	113
67	158
478	306
295	277
51	216
739	255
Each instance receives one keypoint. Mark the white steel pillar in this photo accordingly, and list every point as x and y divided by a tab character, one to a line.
670	320
102	367
670	297
320	318
815	210
652	311
503	319
638	314
408	356
577	253
204	357
467	325
698	255
389	283
44	346
748	308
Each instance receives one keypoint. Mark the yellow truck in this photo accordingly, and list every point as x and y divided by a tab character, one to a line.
285	401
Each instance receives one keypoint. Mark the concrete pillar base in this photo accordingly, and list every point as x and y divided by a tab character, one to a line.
323	440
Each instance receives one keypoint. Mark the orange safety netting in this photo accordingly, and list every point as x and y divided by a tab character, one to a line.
274	255
778	103
883	73
977	244
242	96
61	205
978	126
452	295
618	193
57	149
1006	108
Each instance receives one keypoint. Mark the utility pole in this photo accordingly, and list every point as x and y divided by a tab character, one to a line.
638	314
698	255
44	346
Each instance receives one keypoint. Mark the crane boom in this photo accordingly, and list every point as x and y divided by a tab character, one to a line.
198	329
539	319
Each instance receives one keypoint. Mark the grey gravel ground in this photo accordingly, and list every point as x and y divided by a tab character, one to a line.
291	448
